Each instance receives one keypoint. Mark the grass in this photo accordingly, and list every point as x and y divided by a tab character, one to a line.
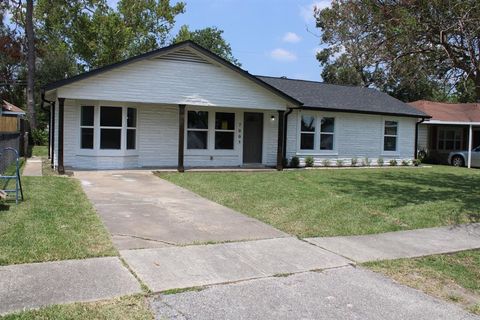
40	151
125	308
310	203
453	277
55	222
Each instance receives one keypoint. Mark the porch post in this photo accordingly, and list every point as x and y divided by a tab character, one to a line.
61	107
52	139
181	136
470	133
280	143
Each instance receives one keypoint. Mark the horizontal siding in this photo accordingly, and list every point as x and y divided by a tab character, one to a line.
175	82
356	136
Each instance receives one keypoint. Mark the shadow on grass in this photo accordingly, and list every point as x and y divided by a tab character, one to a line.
400	189
4	207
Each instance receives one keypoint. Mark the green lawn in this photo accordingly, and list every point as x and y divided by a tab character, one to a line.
454	277
310	203
125	308
40	151
55	222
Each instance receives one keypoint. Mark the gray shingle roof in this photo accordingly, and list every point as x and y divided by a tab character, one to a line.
342	98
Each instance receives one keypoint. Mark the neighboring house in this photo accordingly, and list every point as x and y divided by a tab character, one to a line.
183	106
452	127
10	116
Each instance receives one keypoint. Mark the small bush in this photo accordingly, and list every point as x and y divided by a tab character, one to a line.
326	163
416	162
40	137
405	163
366	162
380	162
285	162
354	162
393	162
339	163
294	162
309	161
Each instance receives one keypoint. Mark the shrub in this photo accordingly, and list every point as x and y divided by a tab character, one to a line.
380	161
405	163
366	162
354	162
326	163
285	162
294	162
309	162
40	137
416	162
393	162
339	163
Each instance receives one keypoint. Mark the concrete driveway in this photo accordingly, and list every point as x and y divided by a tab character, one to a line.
143	211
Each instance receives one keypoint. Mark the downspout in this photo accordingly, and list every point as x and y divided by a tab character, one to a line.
50	123
416	136
285	125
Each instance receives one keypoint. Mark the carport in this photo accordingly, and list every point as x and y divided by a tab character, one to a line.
453	126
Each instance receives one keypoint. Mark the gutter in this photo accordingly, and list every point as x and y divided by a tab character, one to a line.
285	127
416	136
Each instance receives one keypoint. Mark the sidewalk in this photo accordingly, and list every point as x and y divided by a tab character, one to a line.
33	285
33	167
403	244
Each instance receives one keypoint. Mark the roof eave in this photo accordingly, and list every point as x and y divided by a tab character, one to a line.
396	114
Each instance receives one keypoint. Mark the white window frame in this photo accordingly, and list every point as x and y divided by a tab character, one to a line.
207	130
131	128
96	151
397	138
215	130
444	139
317	134
87	127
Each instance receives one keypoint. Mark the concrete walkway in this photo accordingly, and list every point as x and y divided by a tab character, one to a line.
143	211
33	167
403	244
184	267
34	285
343	293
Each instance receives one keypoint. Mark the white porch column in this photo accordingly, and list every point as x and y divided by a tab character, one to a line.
470	133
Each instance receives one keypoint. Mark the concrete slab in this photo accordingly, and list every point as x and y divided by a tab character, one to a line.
137	203
33	167
344	293
403	244
129	243
183	267
28	286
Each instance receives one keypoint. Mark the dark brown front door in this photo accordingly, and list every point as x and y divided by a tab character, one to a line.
252	137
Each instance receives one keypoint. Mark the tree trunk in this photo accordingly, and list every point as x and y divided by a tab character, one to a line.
31	115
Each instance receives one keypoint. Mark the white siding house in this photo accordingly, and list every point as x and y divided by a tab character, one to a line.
183	106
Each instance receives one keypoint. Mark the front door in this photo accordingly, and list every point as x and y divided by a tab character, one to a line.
252	137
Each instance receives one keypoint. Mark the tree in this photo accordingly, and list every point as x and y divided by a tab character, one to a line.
405	46
210	38
30	35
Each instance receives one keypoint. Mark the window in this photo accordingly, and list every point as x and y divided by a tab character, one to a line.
307	133
87	127
317	133
116	128
390	136
111	128
197	130
131	128
326	133
224	130
450	138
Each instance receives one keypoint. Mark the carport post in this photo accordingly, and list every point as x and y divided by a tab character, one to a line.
61	108
470	133
181	136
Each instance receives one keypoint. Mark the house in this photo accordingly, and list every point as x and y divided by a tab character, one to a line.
10	116
453	126
183	106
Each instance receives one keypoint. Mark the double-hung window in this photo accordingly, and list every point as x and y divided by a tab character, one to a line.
224	130
87	127
449	139
197	130
390	135
317	133
111	128
131	128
